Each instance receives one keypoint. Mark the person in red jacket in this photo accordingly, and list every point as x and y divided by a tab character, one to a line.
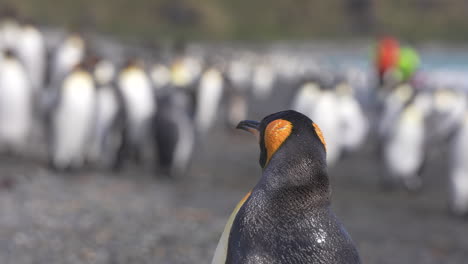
387	56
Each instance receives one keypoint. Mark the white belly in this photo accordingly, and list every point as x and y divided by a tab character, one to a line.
326	117
31	50
354	123
209	97
459	170
139	101
106	110
15	103
404	151
73	122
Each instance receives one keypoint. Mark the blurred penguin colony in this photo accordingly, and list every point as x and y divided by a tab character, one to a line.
94	105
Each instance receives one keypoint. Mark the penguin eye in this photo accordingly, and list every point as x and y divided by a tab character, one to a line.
276	133
319	133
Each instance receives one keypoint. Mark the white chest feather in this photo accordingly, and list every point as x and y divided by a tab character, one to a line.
15	101
137	94
221	250
208	97
327	118
31	50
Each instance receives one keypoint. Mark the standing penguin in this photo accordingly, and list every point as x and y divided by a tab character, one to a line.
459	170
237	88
31	50
326	115
354	123
139	104
263	80
71	120
107	132
306	98
9	31
16	108
160	76
287	218
404	146
209	95
70	52
174	132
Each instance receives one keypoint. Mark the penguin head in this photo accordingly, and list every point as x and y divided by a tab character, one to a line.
76	40
288	137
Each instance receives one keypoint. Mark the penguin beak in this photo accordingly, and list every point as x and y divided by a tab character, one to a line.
250	126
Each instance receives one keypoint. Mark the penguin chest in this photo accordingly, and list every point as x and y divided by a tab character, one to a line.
209	96
15	90
305	100
107	106
31	50
137	95
405	148
353	123
15	101
327	118
67	57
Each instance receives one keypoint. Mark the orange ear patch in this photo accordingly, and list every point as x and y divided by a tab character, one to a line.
275	134
319	133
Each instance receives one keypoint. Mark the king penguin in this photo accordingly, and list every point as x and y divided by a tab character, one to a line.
16	108
263	80
404	147
459	169
32	51
306	98
208	99
326	115
174	132
108	128
354	123
72	119
140	106
70	52
286	217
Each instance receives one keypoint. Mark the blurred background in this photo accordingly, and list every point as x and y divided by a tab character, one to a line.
117	122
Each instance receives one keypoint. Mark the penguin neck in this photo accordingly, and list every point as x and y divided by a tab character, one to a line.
301	179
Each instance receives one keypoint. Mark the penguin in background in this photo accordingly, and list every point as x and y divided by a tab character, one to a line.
326	115
263	80
174	132
140	106
286	217
458	180
354	123
238	86
448	114
68	54
16	104
405	146
160	76
237	107
107	136
306	97
32	52
208	99
392	106
9	30
72	119
239	73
